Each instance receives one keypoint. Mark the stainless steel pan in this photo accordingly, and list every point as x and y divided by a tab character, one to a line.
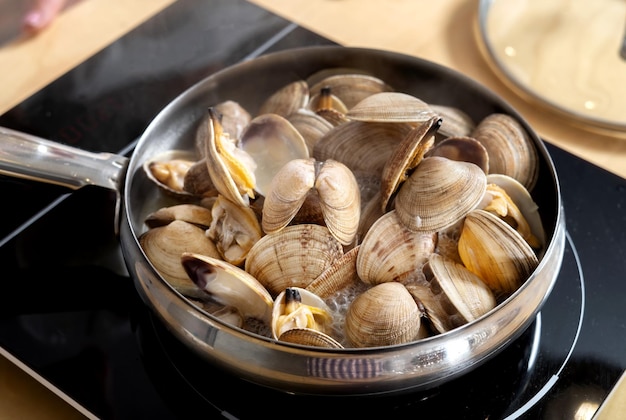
293	368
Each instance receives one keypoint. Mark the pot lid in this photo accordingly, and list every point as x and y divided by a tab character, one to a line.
567	54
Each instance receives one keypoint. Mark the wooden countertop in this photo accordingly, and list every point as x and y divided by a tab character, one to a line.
443	32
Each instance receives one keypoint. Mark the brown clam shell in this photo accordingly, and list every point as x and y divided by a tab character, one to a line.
439	193
383	315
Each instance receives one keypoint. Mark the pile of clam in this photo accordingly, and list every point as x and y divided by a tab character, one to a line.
347	214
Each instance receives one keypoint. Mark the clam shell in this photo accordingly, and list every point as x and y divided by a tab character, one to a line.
391	252
231	168
311	126
511	152
292	257
197	181
325	99
361	146
384	315
233	118
464	149
168	171
286	194
406	156
164	245
295	307
228	285
439	193
309	337
391	107
271	141
337	190
234	230
454	121
495	252
464	295
340	275
191	213
525	203
286	100
340	200
350	88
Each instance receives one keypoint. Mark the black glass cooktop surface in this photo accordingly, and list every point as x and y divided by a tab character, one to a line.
107	352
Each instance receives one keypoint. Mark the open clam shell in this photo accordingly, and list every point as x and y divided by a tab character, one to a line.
228	285
361	146
524	203
495	252
463	295
231	169
406	156
463	148
337	196
297	308
164	245
168	171
234	230
271	141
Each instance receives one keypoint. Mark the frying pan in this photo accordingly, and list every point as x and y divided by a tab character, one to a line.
288	367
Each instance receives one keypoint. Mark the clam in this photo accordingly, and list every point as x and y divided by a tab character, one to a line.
339	276
168	172
462	294
230	167
391	107
391	252
454	121
406	156
310	337
462	148
439	193
227	314
336	188
503	206
286	100
350	88
297	308
326	100
197	180
384	315
495	252
271	141
228	285
233	118
310	125
292	257
188	212
361	146
523	201
164	245
510	150
234	230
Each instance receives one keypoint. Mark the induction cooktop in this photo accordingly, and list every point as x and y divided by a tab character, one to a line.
108	353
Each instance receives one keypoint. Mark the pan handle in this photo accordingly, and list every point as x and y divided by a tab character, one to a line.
26	156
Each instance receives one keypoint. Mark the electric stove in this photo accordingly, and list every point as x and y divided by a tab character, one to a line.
69	310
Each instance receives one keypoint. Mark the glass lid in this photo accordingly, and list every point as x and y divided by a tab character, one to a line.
567	54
